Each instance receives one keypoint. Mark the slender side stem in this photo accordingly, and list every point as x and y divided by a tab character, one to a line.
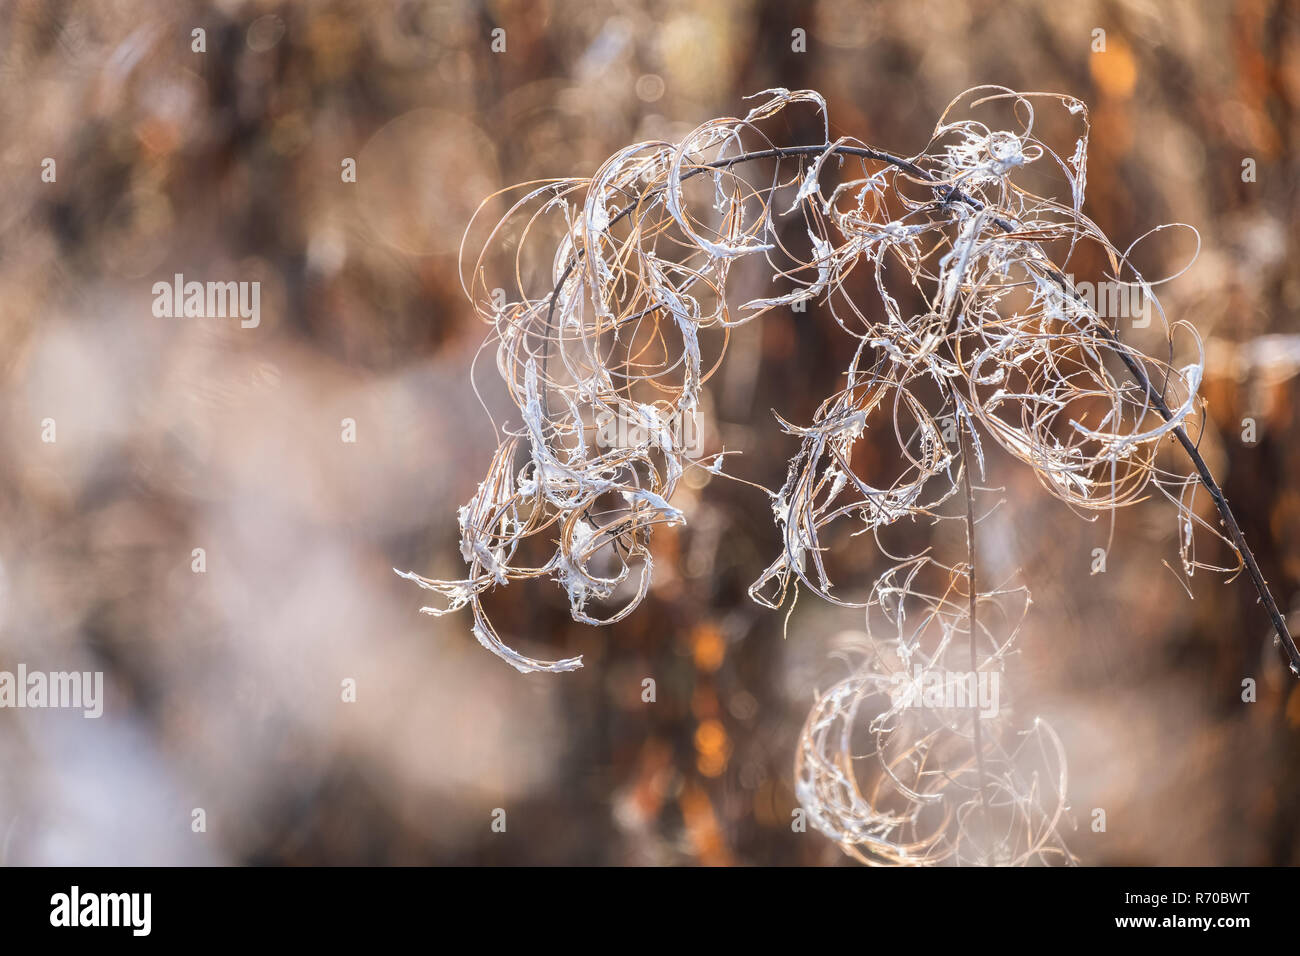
952	194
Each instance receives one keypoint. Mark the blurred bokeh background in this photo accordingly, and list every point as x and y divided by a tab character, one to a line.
223	687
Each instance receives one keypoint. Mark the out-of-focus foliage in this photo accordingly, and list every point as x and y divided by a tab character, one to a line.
177	434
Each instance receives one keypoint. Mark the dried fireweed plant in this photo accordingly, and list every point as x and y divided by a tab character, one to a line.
623	284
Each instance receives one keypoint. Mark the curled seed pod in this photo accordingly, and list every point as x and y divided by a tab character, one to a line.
915	758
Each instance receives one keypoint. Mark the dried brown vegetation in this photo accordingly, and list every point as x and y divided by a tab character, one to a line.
619	308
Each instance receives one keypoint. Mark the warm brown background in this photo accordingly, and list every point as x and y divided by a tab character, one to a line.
175	434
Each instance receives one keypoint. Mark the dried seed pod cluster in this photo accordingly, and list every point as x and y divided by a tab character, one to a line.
914	758
952	281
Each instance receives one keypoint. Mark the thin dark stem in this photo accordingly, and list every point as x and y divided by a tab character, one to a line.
951	194
1207	480
977	733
